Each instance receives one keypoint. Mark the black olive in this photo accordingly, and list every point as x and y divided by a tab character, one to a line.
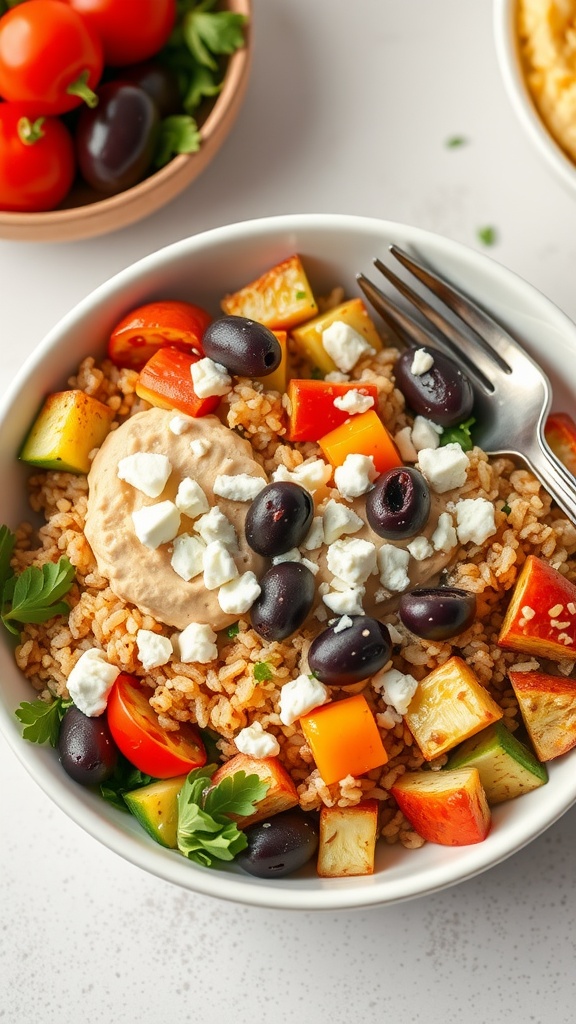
159	81
339	656
279	845
398	505
286	597
437	613
278	519
442	394
87	751
243	346
116	141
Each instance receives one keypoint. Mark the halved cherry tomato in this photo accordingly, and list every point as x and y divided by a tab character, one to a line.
49	57
170	323
37	163
137	734
560	433
130	30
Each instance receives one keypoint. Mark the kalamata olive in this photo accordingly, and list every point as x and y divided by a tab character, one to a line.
339	657
442	393
115	141
278	519
285	599
159	81
398	505
243	346
87	751
437	613
279	845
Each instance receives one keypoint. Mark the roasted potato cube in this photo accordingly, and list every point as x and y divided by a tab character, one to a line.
347	840
280	298
281	795
548	707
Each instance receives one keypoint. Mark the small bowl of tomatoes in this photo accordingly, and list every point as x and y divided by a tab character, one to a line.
111	108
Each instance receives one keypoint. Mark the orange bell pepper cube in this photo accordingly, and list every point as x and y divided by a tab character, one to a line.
344	738
560	433
364	434
312	409
166	381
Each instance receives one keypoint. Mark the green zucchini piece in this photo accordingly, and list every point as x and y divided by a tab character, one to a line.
507	767
156	808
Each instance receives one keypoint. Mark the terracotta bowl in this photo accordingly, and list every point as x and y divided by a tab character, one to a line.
85	213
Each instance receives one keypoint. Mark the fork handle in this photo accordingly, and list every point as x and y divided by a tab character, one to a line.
559	484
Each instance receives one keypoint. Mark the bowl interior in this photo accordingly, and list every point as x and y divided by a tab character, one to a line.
202	269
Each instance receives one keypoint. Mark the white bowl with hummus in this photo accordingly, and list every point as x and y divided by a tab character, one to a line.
535	49
334	249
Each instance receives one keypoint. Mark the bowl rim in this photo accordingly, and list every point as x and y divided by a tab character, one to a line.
111	213
509	60
140	850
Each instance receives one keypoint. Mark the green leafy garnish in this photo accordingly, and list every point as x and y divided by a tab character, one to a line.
124	779
206	834
316	373
262	672
506	509
488	235
459	434
300	295
7	542
455	141
178	134
41	720
35	595
233	630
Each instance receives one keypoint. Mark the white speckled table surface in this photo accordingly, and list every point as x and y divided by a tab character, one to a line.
349	109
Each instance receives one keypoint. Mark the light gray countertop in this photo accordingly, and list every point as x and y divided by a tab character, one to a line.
349	109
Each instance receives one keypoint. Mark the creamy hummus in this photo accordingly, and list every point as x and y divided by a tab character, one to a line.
547	36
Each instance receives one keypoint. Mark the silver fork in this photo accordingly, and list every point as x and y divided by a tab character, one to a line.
512	393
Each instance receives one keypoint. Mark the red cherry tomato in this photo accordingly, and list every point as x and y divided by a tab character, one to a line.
136	733
49	58
155	325
130	30
37	163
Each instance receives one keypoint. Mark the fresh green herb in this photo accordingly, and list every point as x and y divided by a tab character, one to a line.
35	595
300	295
7	5
178	134
41	720
262	672
210	741
459	434
506	509
7	542
316	373
233	630
488	235
455	141
206	834
124	779
313	674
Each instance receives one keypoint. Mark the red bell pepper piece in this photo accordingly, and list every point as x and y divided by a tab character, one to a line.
166	381
312	409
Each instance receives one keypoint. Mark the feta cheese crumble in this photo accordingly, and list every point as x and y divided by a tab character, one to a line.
405	446
354	402
238	595
355	476
218	565
311	474
338	519
156	524
397	688
241	487
146	471
345	602
393	566
474	520
197	643
315	537
199	446
444	468
425	433
90	682
344	622
300	696
422	361
444	537
344	345
216	526
188	556
210	378
352	560
253	741
191	499
420	548
179	424
153	649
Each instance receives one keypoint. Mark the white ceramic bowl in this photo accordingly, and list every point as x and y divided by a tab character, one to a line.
334	249
508	54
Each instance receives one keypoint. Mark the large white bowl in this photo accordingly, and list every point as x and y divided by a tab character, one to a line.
510	63
202	269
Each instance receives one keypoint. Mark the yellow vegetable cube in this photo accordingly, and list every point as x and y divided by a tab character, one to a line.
309	335
278	379
449	706
68	427
347	840
280	298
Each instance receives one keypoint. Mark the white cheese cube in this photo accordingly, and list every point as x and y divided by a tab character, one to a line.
405	445
355	476
216	526
311	474
422	361
199	446
397	688
420	548
255	742
393	566
187	556
344	345
241	487
191	499
90	682
153	649
238	595
300	696
425	433
218	564
156	524
338	520
197	643
180	424
474	520
147	471
315	536
352	560
345	602
444	468
344	622
292	555
210	378
444	537
353	402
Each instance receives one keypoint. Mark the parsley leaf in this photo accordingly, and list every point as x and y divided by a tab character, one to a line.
455	141
209	34
206	834
35	594
124	779
506	509
178	134
7	542
459	434
262	672
488	235
41	720
233	630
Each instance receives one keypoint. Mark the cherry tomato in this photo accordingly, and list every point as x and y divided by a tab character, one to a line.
49	57
136	733
130	30
157	325
37	164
